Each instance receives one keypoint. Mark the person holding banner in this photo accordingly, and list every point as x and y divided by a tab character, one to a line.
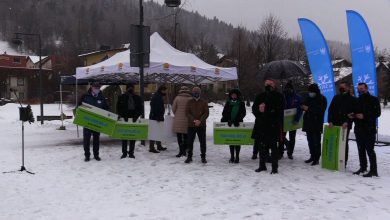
197	111
268	109
180	121
367	112
94	97
293	101
341	111
233	113
314	107
157	111
129	105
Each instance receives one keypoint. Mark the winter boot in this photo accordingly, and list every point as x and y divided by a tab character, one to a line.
203	158
262	168
188	160
309	160
371	173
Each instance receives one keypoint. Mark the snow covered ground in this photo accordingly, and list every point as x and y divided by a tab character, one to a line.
161	186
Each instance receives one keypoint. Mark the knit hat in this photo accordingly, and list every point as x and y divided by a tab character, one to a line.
184	89
196	89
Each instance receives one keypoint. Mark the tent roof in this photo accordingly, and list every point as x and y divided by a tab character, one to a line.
166	64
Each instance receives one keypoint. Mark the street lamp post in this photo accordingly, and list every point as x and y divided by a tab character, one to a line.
174	4
18	41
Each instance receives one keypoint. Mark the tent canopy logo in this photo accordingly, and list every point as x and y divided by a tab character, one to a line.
166	66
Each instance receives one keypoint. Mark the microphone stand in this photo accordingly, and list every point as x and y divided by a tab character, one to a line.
22	168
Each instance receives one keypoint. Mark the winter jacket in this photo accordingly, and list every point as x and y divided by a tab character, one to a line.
313	119
180	121
340	107
157	108
123	110
197	110
268	124
227	113
97	101
369	106
294	100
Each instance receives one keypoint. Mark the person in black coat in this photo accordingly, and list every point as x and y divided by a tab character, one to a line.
314	107
367	111
233	113
94	97
267	131
341	110
157	111
129	105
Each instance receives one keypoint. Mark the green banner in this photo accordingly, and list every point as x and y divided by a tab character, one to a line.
95	120
225	135
288	120
130	131
333	148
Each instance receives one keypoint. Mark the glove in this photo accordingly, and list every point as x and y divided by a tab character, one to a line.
236	124
229	123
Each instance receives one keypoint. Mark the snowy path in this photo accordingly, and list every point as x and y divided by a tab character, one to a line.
163	187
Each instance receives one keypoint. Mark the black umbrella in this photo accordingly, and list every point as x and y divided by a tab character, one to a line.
282	69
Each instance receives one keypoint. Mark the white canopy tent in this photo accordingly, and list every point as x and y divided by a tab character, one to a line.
167	64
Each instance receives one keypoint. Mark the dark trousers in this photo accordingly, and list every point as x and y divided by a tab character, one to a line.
263	147
365	143
201	132
182	141
235	148
290	143
87	140
347	147
314	141
131	147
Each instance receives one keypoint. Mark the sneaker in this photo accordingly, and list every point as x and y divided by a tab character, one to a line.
179	155
188	160
231	160
290	157
131	156
237	160
274	171
261	169
87	159
154	151
254	156
123	156
97	158
204	160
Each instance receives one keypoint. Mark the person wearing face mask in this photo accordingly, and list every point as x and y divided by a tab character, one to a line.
93	97
367	111
129	105
341	111
233	113
314	107
293	100
157	111
268	109
197	111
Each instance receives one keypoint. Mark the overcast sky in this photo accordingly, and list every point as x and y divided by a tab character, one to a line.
329	15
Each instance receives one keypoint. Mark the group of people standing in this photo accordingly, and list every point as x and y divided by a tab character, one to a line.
191	112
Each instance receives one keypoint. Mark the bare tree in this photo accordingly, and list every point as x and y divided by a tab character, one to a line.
271	36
